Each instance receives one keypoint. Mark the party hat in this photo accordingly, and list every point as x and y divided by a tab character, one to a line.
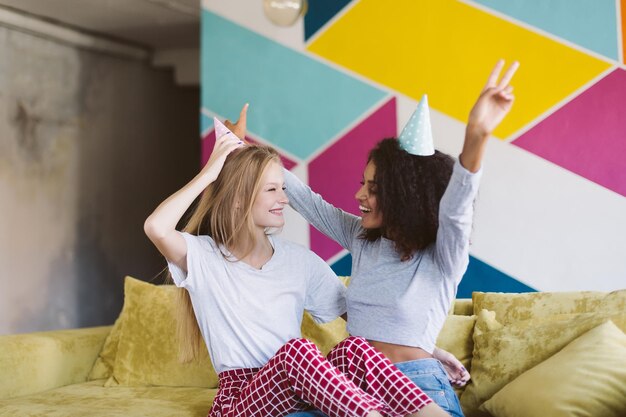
220	129
417	136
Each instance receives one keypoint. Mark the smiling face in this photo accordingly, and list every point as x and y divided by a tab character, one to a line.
371	217
267	209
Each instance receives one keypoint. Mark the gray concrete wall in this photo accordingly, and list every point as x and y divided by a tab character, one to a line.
89	145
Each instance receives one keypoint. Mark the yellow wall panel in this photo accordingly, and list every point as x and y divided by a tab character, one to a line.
446	49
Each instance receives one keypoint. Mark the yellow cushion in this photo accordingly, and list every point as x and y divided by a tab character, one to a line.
456	337
524	306
325	335
587	378
103	367
148	314
462	307
502	353
147	352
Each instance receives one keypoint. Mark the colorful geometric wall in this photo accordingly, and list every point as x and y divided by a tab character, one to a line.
551	213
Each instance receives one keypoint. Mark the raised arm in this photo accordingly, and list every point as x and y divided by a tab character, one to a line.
456	206
493	104
335	223
160	226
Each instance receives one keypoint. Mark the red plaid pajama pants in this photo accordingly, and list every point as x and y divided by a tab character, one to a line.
354	380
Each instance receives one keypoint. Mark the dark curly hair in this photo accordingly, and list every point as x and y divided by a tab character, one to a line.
409	189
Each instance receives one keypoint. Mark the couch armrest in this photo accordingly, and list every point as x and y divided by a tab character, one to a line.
34	362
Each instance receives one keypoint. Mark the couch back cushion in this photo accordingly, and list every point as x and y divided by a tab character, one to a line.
142	347
456	337
103	367
586	378
325	335
462	307
147	350
503	352
524	306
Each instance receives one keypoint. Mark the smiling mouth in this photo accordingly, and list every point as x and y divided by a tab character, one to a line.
364	210
277	212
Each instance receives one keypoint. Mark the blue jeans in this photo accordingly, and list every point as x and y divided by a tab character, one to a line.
430	376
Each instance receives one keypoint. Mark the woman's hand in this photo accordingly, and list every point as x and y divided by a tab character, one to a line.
493	104
495	101
222	148
239	128
457	374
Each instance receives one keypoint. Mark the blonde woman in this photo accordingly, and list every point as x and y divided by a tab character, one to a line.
246	291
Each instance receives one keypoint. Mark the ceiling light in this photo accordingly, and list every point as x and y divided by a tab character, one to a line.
284	12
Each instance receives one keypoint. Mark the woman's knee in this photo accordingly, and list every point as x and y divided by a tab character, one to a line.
351	343
346	348
299	345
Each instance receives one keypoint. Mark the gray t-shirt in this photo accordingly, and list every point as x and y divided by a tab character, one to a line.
404	303
246	314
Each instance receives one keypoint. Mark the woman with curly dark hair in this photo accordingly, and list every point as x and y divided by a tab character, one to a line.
410	247
424	181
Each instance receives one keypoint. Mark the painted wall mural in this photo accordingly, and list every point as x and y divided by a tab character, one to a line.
551	213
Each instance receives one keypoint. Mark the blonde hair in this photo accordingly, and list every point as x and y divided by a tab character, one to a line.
224	212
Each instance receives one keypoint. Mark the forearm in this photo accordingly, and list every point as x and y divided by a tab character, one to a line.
331	221
456	212
439	353
473	148
166	216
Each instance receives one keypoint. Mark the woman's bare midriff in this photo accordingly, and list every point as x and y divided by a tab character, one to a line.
400	353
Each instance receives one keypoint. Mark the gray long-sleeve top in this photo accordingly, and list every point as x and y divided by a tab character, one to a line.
404	303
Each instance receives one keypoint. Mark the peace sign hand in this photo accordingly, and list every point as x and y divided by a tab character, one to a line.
494	103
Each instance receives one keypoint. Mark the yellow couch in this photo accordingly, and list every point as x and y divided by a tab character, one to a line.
512	343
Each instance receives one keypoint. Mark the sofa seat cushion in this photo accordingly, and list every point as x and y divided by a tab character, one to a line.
93	399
